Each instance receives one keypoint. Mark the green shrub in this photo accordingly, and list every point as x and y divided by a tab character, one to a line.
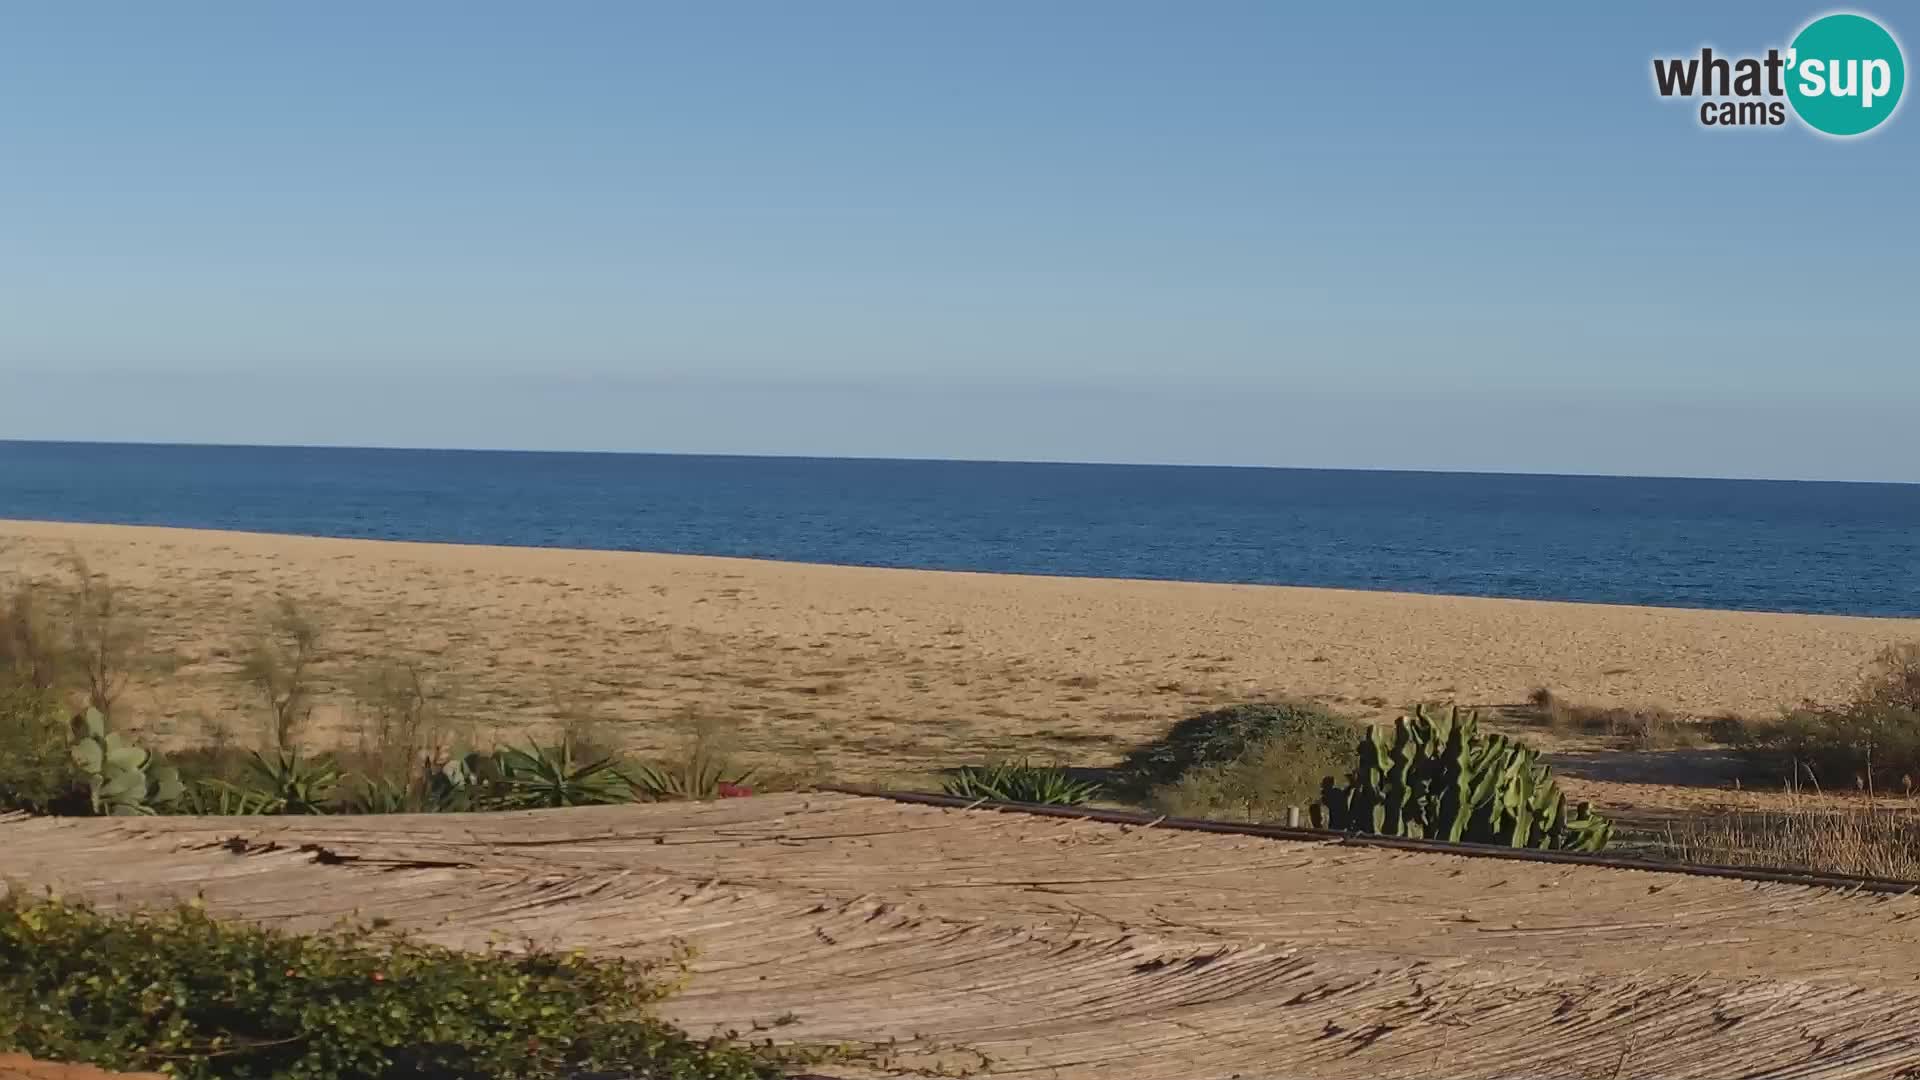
1730	729
1285	772
31	652
1434	774
1269	753
206	999
703	772
1859	745
37	771
1871	742
1021	782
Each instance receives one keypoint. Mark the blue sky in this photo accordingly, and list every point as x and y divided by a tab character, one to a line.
1426	236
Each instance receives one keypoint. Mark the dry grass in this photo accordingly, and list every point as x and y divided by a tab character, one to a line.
1640	728
1871	840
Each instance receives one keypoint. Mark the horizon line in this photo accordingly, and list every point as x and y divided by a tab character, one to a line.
1084	463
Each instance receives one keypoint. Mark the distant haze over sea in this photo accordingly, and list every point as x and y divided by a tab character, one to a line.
1745	544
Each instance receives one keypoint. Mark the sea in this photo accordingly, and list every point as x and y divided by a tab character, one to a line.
1758	545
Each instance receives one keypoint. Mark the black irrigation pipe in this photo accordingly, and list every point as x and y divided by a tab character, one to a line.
1887	886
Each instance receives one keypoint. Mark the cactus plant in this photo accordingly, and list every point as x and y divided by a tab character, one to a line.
1434	775
122	779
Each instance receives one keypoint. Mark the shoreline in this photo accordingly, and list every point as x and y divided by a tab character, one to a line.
28	526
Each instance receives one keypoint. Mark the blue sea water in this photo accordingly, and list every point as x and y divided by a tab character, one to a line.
1756	545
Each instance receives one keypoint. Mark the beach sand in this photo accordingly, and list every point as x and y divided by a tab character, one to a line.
873	674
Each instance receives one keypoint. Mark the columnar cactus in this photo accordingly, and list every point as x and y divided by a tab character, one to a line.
1434	775
122	779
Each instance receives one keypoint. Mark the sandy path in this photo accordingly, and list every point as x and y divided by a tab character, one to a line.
876	673
1012	945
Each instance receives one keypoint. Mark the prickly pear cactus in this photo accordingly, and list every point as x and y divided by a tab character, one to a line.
1434	775
122	779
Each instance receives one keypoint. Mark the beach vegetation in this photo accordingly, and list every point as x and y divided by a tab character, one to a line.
1021	781
1871	839
279	662
1633	728
404	721
1870	743
102	641
37	770
703	771
1237	734
1435	775
1259	762
213	797
204	999
71	635
122	778
548	777
31	653
294	783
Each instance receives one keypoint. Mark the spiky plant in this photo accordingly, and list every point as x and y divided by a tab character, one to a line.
293	783
704	773
218	798
553	776
1021	782
1435	775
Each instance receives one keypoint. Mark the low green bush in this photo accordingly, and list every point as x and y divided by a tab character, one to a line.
46	766
1281	774
1870	742
200	998
1021	782
1249	762
1860	745
1221	737
37	770
703	771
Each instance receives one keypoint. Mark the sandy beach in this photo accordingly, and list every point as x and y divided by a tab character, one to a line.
874	673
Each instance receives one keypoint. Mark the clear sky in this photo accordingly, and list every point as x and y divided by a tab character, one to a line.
1372	235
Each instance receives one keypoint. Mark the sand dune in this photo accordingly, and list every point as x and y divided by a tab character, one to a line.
877	673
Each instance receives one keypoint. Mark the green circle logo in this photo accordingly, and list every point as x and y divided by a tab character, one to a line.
1845	74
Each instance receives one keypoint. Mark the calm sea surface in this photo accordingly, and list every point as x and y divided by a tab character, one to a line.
1760	545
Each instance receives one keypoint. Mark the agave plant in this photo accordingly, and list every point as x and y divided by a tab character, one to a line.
381	795
217	798
551	776
294	784
444	787
122	779
1021	782
702	774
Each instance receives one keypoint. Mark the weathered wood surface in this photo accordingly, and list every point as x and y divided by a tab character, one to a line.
1070	949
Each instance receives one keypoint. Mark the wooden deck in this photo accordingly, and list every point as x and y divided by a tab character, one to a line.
1015	945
